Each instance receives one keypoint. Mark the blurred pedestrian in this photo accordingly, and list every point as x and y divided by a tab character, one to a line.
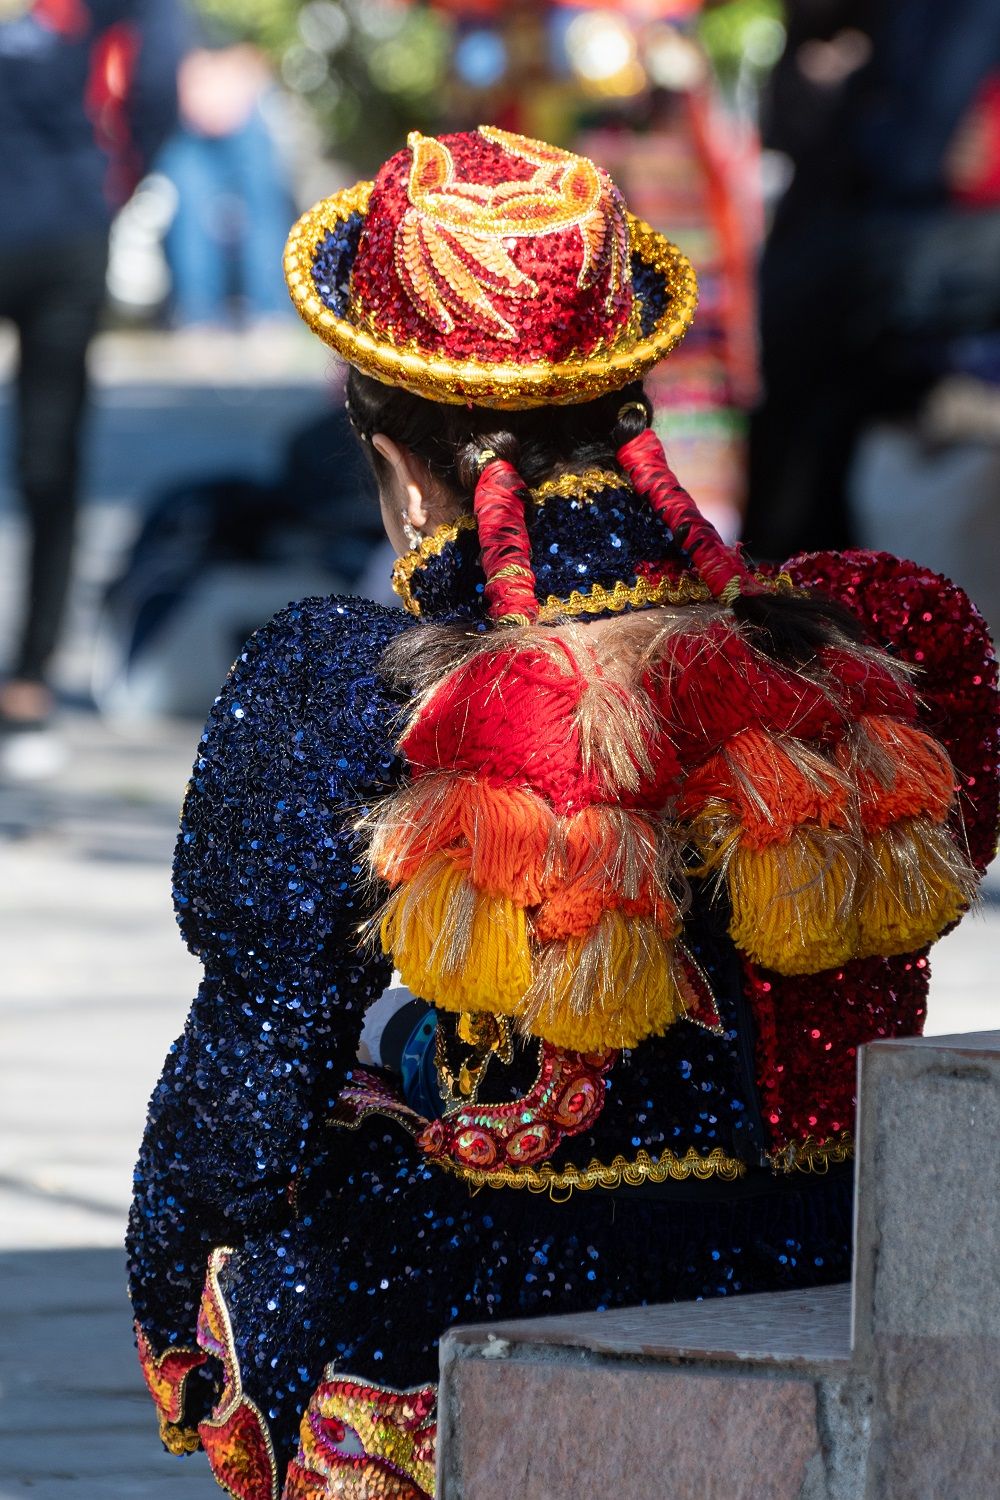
878	251
228	233
87	95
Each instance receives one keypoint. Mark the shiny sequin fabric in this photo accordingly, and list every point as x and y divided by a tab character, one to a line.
485	266
326	1260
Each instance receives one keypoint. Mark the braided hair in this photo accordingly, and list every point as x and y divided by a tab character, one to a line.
490	467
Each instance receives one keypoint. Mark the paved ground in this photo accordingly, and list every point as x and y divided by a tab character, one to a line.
96	984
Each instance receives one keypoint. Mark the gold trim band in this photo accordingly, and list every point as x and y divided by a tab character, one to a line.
812	1155
617	1173
577	486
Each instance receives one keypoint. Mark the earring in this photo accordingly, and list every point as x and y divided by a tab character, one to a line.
413	536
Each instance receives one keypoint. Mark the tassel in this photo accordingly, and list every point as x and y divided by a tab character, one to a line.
901	772
792	903
608	990
455	946
772	787
914	885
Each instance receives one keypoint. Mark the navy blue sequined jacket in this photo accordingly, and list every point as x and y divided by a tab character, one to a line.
348	1245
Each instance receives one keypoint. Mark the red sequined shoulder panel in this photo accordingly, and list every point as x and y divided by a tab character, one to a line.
931	623
809	1027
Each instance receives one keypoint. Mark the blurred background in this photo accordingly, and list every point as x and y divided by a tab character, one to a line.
175	465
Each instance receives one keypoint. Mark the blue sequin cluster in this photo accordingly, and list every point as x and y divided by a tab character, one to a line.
331	267
576	542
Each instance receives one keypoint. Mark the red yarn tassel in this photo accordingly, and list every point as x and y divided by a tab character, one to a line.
720	568
503	543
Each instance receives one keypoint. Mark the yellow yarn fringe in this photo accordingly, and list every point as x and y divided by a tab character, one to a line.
455	946
610	989
792	903
916	884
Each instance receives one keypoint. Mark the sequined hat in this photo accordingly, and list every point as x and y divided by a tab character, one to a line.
488	268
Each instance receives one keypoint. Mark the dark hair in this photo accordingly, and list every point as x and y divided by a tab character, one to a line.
544	441
539	442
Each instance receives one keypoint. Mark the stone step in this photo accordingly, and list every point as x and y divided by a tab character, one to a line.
885	1390
562	1406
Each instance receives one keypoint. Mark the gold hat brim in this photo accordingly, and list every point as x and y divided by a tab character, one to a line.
507	386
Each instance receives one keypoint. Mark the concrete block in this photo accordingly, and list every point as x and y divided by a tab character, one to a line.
718	1400
927	1289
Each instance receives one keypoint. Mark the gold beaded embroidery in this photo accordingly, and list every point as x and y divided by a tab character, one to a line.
178	1440
577	486
812	1155
545	1179
505	386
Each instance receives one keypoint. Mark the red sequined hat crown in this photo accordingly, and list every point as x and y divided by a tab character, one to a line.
489	268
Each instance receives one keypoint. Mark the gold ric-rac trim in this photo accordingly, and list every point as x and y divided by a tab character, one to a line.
812	1155
577	486
404	567
598	600
503	386
619	1172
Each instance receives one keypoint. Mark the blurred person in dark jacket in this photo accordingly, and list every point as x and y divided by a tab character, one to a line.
878	254
87	95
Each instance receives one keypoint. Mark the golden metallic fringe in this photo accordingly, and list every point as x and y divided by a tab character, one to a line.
560	1185
612	988
578	486
462	948
793	903
915	882
812	1155
503	386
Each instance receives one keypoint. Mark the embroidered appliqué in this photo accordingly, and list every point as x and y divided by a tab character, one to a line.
365	1442
449	248
235	1436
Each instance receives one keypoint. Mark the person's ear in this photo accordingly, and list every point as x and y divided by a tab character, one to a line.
410	479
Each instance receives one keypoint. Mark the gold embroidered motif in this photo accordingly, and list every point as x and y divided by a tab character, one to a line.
578	486
545	1179
502	386
812	1155
178	1440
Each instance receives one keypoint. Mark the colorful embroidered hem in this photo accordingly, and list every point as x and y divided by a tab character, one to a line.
365	1442
235	1436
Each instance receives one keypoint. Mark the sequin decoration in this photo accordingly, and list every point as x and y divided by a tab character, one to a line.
566	1099
365	1442
166	1376
235	1437
490	268
809	1028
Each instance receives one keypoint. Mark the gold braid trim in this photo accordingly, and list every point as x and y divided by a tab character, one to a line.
546	1179
577	486
639	595
812	1155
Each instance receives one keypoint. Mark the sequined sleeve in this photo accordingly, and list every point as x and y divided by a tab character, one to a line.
269	896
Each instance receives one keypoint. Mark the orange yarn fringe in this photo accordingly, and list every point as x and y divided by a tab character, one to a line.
831	848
